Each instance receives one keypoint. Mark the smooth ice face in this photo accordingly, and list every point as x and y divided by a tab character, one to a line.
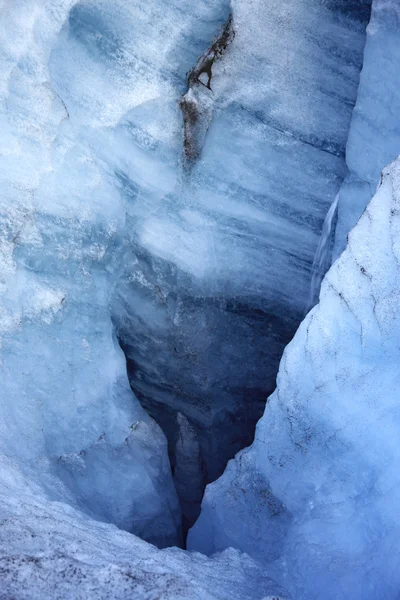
374	137
218	270
316	496
67	412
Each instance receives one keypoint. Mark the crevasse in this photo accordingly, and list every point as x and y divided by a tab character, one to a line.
219	259
314	497
200	275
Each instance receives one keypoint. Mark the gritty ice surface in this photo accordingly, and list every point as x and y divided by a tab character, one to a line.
49	551
316	497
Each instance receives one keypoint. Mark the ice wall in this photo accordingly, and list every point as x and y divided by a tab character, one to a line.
218	270
67	413
374	138
316	497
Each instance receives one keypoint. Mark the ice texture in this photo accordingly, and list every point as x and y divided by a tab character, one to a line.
316	497
218	268
374	137
50	551
204	275
68	415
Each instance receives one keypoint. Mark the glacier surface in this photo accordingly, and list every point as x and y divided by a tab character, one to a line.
316	497
50	551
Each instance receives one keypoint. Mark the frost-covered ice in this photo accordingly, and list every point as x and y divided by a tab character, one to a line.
67	412
374	137
316	497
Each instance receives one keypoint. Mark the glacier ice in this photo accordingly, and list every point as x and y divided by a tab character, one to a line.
201	276
50	551
67	411
218	265
323	255
374	136
316	497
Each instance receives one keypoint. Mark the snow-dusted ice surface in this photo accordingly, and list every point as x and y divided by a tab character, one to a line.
316	497
49	551
374	137
67	413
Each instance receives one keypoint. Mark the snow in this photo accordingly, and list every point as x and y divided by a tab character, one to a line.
315	498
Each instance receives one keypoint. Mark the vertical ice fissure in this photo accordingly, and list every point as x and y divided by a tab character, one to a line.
219	264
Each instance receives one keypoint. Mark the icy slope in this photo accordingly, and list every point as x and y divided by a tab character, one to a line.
374	137
316	497
67	413
218	269
49	551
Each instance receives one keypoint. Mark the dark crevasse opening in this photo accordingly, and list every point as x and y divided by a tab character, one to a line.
206	305
204	376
